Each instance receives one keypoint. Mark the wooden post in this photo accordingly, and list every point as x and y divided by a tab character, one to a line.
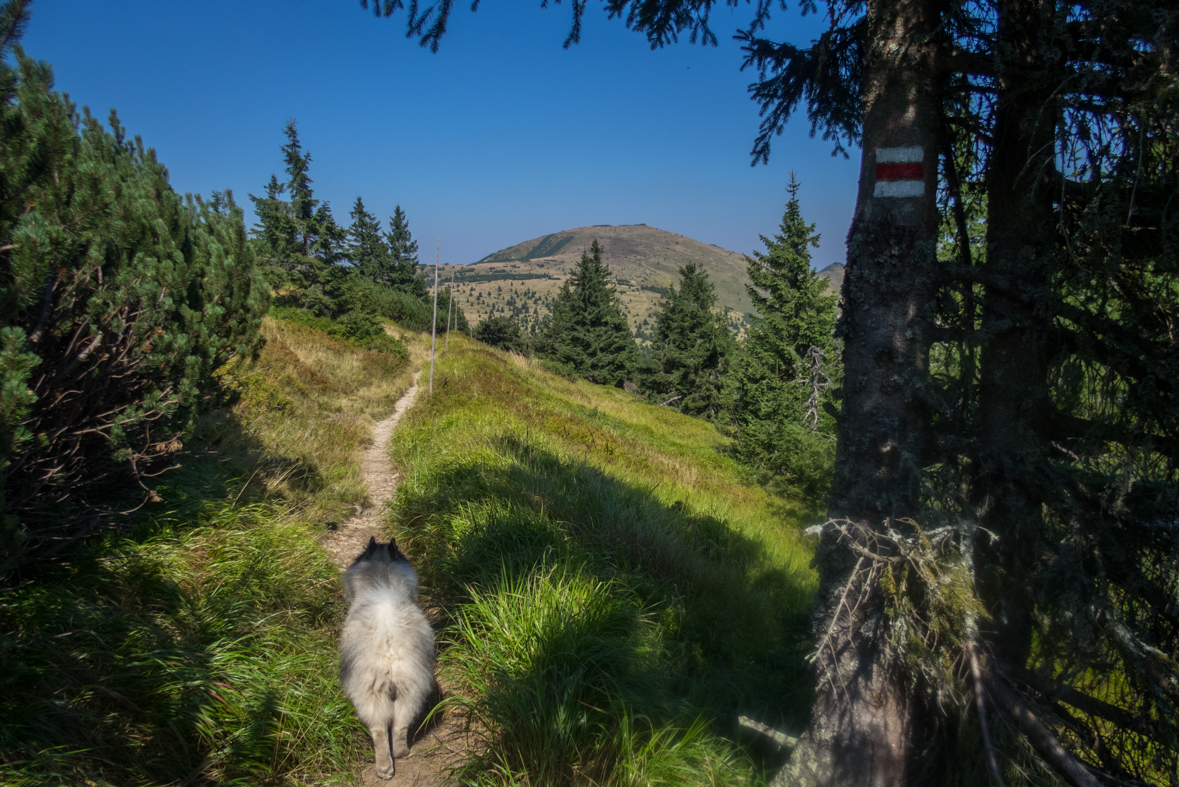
449	307
434	322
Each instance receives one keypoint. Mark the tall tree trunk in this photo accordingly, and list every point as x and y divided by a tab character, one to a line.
1013	390
861	729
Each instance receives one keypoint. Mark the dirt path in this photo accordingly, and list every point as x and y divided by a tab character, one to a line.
349	540
439	746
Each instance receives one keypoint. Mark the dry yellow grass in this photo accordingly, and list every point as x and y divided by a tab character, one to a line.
307	409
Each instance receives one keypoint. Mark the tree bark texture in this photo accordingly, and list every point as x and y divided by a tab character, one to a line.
862	725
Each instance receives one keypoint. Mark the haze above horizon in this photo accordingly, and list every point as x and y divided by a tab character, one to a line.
500	137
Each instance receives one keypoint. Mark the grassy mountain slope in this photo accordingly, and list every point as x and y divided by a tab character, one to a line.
616	593
523	279
644	259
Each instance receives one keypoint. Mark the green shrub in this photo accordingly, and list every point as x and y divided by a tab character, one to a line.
119	299
406	309
502	332
360	329
357	326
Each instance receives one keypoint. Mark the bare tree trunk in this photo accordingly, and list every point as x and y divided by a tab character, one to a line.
1013	390
863	718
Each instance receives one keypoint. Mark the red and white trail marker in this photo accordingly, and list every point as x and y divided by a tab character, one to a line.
899	172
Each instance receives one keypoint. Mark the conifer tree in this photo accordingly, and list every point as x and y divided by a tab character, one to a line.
586	333
299	236
403	250
691	347
368	250
298	185
783	380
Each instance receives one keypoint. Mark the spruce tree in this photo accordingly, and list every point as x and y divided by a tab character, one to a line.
368	250
302	203
783	380
299	236
403	250
690	349
586	334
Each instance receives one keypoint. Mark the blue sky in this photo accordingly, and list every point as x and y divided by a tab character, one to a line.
500	137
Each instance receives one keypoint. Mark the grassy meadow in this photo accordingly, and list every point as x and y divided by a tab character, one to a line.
613	593
616	595
199	647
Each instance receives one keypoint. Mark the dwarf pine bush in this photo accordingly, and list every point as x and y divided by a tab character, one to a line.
118	300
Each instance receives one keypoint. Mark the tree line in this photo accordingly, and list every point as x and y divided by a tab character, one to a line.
356	274
774	392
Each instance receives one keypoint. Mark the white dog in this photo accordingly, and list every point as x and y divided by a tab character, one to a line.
386	649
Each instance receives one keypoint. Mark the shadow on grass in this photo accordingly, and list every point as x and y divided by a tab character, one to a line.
687	618
148	656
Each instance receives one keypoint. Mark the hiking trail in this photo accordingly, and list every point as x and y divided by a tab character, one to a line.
441	744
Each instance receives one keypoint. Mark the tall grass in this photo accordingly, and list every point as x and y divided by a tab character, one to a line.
616	594
202	654
199	647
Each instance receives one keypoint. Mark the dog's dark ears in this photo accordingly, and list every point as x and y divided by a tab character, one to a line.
394	552
371	548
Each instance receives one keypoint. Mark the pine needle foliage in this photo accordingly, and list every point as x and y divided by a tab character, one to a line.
403	250
691	348
783	380
120	300
587	335
368	250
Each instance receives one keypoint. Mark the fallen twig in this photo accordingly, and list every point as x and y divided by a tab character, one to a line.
780	738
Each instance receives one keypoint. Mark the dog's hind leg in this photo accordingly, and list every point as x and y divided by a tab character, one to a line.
381	749
403	713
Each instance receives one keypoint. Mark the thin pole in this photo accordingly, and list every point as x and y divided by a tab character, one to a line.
449	304
434	324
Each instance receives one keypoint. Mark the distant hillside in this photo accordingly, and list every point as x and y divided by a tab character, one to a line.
523	279
833	273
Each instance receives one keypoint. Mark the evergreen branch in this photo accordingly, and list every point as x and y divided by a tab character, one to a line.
1054	690
1040	737
14	18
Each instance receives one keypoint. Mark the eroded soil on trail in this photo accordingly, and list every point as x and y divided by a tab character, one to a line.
438	746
